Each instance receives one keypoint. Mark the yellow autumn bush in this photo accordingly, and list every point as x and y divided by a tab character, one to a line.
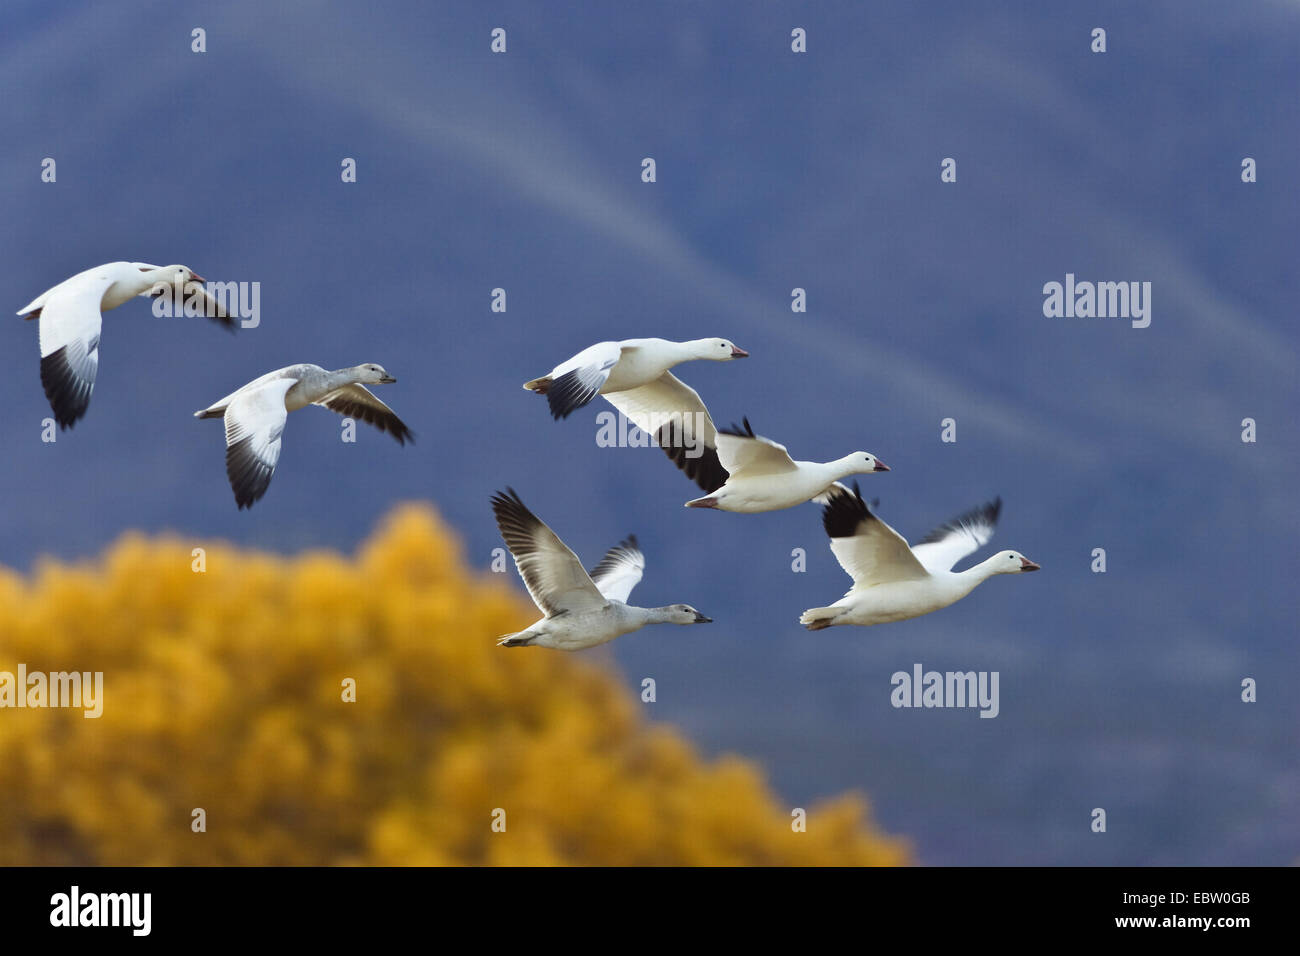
223	690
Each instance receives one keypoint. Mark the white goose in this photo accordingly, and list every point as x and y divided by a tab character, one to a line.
894	582
255	416
609	367
759	475
71	318
581	609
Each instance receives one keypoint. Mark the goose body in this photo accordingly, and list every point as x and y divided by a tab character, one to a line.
759	475
893	581
609	367
255	414
71	318
581	609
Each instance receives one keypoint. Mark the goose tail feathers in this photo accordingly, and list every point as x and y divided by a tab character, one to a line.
517	639
818	618
539	385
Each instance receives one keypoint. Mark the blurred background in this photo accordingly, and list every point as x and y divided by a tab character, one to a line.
775	170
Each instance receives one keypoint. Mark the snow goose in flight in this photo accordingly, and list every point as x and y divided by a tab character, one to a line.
580	609
71	317
760	475
255	415
894	582
609	367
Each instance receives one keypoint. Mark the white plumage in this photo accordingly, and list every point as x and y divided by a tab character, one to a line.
255	415
894	582
608	367
760	475
580	610
71	317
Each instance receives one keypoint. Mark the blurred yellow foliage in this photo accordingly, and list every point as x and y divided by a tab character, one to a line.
223	690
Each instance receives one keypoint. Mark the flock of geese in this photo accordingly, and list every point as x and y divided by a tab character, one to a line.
737	469
71	316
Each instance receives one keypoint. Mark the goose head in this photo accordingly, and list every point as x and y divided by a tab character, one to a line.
1011	562
718	350
861	462
174	275
372	374
182	274
685	614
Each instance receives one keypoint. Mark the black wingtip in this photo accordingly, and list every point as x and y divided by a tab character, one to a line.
514	520
845	511
249	476
739	431
988	512
246	496
68	396
985	514
384	420
614	557
705	469
505	495
993	511
567	394
508	501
